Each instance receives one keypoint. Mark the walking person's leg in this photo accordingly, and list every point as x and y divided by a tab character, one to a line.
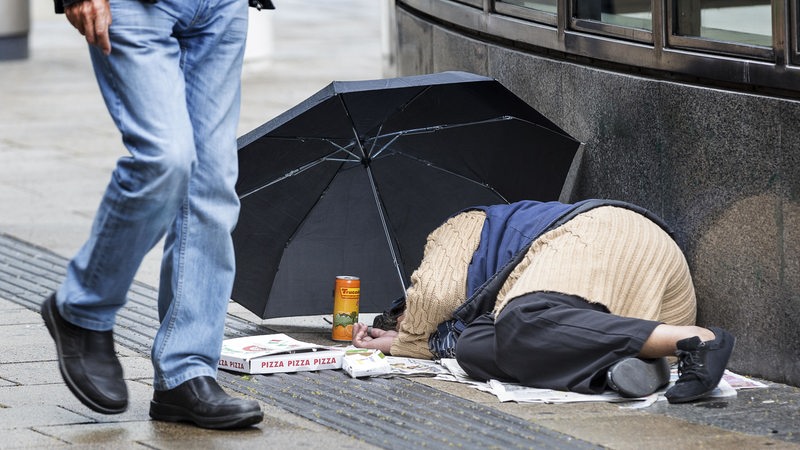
198	265
143	91
151	99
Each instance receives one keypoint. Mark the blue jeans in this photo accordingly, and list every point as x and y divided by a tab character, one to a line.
172	86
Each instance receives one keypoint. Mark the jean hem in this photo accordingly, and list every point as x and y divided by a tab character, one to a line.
168	383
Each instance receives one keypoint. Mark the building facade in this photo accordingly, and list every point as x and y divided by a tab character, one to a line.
689	108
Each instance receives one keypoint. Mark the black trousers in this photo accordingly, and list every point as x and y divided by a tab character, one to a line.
550	340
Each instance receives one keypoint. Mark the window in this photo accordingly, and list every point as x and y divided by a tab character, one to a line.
543	11
625	13
747	22
752	45
631	19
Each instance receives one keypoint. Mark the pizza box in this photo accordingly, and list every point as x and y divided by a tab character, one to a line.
274	353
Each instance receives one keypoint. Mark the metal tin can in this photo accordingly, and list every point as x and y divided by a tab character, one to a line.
346	294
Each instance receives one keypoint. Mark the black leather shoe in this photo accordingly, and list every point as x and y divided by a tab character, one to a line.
634	377
700	366
88	362
203	402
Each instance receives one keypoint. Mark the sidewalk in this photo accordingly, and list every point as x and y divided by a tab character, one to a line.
57	149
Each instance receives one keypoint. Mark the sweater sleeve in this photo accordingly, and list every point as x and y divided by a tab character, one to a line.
439	284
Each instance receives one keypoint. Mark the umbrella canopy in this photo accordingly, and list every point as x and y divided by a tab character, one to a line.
352	180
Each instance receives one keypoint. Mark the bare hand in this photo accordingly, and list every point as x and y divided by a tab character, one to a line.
368	337
92	18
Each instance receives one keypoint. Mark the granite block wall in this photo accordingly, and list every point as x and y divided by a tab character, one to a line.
721	167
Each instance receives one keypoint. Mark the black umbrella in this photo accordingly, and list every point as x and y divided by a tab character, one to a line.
352	180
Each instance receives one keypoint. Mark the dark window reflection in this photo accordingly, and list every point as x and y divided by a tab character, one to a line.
625	13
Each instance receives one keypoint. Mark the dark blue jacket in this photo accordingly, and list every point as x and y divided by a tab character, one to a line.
507	230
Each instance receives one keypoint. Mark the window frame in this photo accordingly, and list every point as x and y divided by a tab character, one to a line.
612	30
716	46
793	10
475	3
772	71
522	12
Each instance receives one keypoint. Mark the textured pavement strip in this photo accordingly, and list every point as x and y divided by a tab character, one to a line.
391	413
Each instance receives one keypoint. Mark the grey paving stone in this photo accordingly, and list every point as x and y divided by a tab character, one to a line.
28	438
11	314
22	343
31	415
654	432
33	373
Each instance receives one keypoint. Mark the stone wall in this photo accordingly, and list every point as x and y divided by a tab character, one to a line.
722	168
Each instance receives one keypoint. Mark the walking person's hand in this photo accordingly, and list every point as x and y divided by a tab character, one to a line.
92	18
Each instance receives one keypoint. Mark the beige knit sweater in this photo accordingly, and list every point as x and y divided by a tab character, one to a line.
608	255
439	284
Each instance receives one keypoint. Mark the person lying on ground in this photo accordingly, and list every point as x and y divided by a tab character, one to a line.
578	297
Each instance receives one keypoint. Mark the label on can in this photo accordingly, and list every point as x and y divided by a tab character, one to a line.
346	294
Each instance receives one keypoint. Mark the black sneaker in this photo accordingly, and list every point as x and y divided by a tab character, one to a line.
634	377
700	366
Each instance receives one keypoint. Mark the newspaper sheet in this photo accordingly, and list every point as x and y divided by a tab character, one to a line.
449	370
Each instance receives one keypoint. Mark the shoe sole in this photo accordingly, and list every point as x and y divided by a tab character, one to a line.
636	378
675	401
50	321
169	413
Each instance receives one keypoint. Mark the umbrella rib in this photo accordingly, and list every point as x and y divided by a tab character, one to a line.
450	172
357	140
398	110
375	142
434	128
385	227
345	148
385	146
298	171
329	140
